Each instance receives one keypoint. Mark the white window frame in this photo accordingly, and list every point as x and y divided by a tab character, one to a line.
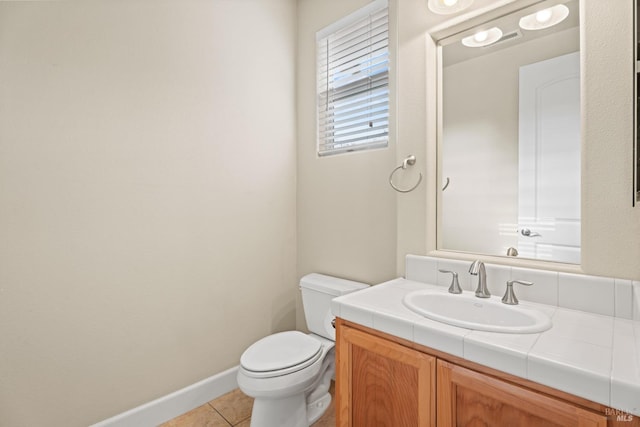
353	99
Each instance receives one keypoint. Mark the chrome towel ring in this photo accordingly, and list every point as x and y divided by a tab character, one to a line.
409	161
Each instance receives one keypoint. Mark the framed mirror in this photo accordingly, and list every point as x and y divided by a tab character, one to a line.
509	145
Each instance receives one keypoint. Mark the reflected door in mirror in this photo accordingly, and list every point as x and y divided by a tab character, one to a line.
549	160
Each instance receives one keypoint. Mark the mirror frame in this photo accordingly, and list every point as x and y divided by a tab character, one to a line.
434	129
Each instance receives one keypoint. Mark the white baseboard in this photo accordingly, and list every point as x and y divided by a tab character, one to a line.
177	403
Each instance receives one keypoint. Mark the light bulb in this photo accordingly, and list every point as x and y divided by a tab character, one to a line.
483	38
543	16
447	7
480	36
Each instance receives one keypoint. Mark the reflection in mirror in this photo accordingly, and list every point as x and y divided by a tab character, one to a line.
509	142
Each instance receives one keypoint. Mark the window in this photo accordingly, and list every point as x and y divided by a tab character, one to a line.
353	81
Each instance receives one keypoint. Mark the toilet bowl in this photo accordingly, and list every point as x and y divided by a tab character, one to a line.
289	373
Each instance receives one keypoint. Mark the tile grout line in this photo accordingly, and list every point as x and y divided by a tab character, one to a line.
219	413
242	420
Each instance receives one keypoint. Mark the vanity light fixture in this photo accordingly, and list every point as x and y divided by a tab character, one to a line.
545	18
447	7
483	38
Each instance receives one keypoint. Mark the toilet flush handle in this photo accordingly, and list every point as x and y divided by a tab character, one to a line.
333	323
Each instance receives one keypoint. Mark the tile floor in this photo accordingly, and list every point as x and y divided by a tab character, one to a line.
234	410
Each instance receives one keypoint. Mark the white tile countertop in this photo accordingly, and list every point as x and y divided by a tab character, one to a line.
594	356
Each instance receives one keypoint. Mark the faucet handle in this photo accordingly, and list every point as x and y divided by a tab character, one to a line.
509	296
454	288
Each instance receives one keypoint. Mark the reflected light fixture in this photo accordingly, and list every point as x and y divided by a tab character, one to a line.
483	38
446	7
545	18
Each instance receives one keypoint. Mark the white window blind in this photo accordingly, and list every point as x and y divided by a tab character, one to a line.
353	81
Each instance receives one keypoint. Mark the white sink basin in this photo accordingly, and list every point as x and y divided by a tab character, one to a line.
483	314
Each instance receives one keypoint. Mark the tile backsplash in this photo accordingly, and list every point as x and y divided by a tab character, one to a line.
595	294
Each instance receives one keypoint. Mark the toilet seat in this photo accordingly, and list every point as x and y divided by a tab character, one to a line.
280	354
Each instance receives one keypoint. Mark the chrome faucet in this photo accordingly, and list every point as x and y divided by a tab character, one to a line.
510	297
477	269
454	288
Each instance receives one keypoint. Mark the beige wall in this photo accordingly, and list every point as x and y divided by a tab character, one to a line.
147	193
415	90
339	233
345	206
611	228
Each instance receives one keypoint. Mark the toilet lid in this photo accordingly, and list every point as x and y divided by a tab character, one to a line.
280	351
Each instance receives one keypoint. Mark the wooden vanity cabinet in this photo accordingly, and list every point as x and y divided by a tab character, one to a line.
467	398
384	381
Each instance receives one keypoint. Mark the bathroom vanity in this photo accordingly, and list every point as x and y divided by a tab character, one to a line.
397	368
383	380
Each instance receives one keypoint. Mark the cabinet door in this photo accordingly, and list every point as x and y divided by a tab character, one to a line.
381	383
468	398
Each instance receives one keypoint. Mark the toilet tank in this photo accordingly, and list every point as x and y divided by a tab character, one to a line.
317	292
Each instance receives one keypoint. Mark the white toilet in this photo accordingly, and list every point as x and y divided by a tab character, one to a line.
289	373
